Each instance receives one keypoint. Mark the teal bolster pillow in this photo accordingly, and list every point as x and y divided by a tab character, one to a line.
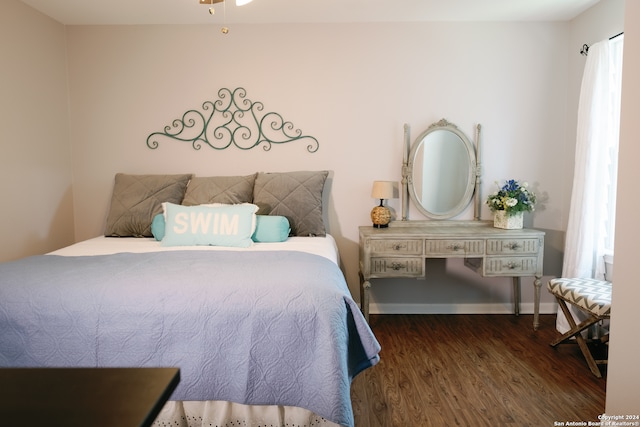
271	229
157	226
219	225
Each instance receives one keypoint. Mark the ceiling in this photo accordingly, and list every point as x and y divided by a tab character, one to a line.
125	12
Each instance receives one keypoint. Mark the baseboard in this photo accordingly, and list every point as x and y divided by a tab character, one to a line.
525	308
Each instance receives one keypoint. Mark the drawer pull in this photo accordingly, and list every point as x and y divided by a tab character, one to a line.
398	246
455	247
513	246
397	266
512	265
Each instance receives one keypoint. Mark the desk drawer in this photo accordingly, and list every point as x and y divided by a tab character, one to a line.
510	266
512	246
455	247
397	267
396	247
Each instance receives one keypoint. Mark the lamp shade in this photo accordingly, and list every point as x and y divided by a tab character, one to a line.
383	190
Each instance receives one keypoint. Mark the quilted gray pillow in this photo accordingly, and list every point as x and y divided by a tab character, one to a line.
136	199
294	195
219	189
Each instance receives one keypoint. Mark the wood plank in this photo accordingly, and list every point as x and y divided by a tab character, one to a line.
474	370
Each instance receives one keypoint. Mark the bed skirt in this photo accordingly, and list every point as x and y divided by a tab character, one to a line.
227	414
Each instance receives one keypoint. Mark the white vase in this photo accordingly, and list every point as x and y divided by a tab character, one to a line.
510	222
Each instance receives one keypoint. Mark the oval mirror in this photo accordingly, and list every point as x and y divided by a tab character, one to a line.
441	171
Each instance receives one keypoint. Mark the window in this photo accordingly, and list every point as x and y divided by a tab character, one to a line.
615	73
590	231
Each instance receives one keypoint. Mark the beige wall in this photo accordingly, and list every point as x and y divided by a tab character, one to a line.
35	156
624	369
352	86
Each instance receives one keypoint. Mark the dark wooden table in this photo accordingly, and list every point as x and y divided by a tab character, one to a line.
84	397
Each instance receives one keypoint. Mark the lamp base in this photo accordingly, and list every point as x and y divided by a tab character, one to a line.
380	216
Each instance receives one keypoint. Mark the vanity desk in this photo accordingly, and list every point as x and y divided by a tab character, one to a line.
402	250
441	173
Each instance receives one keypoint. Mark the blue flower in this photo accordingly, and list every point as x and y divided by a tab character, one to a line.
512	197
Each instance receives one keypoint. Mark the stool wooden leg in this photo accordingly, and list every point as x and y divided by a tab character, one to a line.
575	331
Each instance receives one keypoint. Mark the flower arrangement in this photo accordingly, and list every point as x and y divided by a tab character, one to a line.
512	197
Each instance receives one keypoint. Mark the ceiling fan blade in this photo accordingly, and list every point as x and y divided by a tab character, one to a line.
210	1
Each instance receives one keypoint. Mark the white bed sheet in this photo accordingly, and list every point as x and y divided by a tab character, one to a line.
323	246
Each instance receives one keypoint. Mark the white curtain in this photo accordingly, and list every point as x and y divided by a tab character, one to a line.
597	134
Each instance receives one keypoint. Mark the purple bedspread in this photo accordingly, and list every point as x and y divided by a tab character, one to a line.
266	328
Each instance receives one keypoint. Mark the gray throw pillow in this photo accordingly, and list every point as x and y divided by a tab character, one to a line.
219	189
294	195
136	199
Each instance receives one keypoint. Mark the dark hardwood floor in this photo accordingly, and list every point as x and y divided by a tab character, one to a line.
474	370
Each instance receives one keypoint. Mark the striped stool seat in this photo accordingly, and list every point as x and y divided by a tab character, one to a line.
591	295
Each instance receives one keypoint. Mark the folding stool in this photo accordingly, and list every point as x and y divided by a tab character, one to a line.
592	297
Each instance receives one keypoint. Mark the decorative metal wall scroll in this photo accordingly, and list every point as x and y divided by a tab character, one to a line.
232	120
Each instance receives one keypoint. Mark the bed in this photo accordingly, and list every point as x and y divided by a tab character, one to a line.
264	330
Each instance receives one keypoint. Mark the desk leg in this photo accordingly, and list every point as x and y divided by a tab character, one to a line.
364	297
536	302
516	296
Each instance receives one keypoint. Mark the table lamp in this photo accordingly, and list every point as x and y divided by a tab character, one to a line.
381	215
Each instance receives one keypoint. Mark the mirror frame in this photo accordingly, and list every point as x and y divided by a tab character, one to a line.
473	183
